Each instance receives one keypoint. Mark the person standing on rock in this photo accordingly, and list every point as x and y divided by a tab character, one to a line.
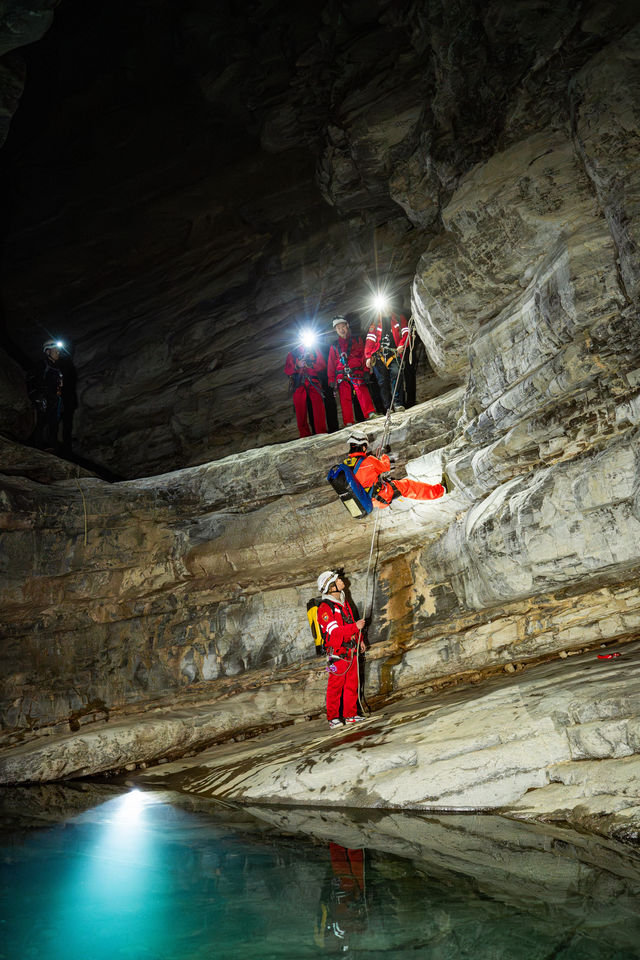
346	372
342	636
371	473
386	342
303	367
45	392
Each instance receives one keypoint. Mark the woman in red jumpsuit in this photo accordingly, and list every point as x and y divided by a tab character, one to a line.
342	641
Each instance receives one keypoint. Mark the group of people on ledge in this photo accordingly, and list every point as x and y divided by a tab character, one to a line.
348	367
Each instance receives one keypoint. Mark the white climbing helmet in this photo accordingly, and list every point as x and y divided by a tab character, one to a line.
337	320
326	579
357	438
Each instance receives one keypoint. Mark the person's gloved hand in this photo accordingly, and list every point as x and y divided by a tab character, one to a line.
392	456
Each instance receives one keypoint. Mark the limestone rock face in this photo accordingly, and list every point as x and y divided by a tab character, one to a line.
16	413
168	613
541	745
20	23
236	174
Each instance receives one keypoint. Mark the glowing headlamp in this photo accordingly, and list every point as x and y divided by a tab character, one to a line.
308	339
380	303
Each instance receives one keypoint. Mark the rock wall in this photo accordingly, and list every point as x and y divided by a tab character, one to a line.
167	613
184	195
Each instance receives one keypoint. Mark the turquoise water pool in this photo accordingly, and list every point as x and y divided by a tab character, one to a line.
146	876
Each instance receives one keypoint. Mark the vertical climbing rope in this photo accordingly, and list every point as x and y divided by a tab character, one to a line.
383	442
84	507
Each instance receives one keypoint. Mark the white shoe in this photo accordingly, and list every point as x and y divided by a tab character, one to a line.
336	722
355	719
398	408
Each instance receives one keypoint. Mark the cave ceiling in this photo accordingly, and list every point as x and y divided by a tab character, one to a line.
185	183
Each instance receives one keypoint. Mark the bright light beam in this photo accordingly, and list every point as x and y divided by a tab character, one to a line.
308	339
380	303
130	808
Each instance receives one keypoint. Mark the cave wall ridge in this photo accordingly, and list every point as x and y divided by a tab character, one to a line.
188	589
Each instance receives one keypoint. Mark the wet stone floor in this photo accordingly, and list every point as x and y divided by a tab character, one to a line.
103	873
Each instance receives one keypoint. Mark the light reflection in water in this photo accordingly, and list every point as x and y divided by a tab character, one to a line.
139	878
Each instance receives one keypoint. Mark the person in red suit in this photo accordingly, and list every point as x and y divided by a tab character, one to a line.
369	471
346	371
342	635
386	342
303	366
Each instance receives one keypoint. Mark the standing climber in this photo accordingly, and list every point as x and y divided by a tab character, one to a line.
342	635
346	371
386	342
371	472
45	392
303	367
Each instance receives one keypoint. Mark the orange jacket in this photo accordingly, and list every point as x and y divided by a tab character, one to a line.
369	471
370	468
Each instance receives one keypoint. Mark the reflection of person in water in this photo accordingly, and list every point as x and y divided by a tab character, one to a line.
342	904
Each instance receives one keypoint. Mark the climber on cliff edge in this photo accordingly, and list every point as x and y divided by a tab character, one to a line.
44	385
372	473
387	339
342	636
303	366
347	375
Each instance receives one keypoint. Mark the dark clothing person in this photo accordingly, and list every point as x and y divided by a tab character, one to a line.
45	392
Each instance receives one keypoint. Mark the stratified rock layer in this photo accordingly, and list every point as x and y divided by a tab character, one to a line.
169	613
559	742
238	173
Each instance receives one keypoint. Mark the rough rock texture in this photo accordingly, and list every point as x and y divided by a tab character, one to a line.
184	593
20	23
542	745
150	564
184	195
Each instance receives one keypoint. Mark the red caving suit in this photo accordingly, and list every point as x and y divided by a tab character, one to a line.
399	331
371	468
346	368
337	624
307	382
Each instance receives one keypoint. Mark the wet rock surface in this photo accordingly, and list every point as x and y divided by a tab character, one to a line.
560	743
147	619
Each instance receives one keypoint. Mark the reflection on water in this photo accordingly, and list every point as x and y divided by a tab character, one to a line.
145	876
